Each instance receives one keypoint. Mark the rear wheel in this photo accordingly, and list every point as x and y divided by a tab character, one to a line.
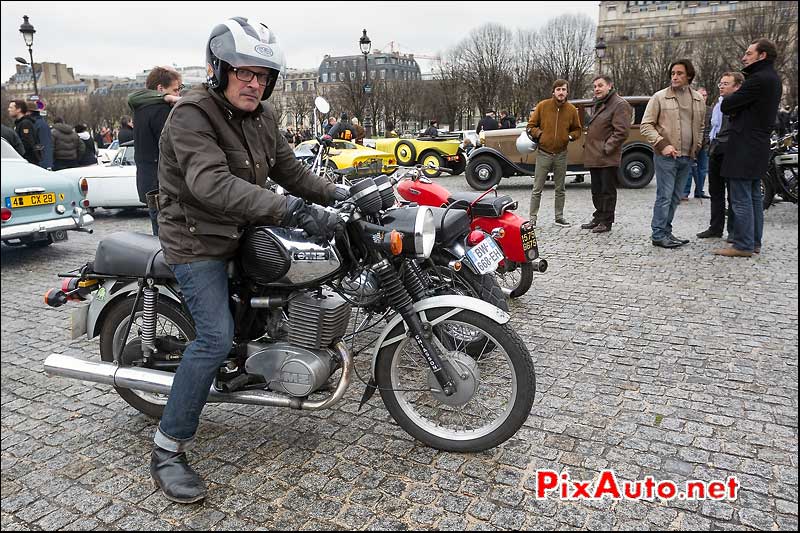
172	321
483	172
405	153
495	386
431	158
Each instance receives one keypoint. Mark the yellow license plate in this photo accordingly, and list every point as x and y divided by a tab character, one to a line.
31	200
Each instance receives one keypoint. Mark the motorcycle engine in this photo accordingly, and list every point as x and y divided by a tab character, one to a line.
304	363
362	287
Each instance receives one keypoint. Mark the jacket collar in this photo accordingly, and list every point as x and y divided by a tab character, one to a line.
757	66
695	94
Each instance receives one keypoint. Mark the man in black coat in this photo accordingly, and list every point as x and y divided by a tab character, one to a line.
487	123
125	129
752	111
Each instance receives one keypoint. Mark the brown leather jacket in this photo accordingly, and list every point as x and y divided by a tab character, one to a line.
606	132
214	161
554	126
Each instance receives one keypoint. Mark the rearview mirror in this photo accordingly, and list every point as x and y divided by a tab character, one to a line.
322	105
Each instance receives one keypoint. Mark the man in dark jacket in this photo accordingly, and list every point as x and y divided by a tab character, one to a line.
752	111
46	145
488	123
89	156
67	146
342	129
25	129
606	132
125	129
150	111
433	129
507	121
13	139
220	144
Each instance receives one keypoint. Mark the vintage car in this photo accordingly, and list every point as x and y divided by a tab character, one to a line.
346	154
445	151
106	155
39	206
111	186
498	157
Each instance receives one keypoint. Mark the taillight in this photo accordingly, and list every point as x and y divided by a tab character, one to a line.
475	236
84	187
5	214
85	203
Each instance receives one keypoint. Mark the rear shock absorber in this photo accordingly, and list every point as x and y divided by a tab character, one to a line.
149	318
400	300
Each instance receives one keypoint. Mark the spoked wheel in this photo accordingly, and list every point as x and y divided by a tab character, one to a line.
514	279
172	321
495	386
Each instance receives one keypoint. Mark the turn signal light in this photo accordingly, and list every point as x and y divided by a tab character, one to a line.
396	242
55	298
475	236
84	187
5	214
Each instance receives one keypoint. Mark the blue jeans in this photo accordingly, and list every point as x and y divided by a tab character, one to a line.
748	210
699	171
671	176
205	289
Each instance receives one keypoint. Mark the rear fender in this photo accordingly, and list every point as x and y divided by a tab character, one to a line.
110	294
395	331
511	243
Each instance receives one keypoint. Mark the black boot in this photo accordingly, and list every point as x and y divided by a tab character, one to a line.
173	475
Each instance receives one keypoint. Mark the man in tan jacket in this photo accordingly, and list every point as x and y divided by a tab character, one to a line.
554	124
673	124
606	131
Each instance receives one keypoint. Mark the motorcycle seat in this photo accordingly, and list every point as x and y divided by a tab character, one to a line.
455	223
126	253
488	206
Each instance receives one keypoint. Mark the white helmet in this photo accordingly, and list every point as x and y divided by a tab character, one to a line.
242	42
526	145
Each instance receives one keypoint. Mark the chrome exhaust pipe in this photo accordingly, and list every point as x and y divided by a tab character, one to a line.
160	382
539	265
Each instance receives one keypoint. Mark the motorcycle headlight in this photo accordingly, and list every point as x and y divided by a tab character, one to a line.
424	233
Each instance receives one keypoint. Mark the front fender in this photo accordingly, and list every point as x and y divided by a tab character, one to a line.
107	295
504	161
457	302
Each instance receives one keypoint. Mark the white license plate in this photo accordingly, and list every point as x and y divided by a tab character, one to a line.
485	256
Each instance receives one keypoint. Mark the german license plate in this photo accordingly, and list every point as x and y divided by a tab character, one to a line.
485	256
30	200
528	238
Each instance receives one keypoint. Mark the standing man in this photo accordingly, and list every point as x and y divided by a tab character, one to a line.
125	129
67	145
606	131
507	121
433	129
488	122
554	124
700	164
358	131
752	109
719	133
150	107
220	144
46	145
25	129
673	125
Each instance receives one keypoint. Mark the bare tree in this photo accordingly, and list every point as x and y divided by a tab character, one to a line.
482	59
566	50
656	59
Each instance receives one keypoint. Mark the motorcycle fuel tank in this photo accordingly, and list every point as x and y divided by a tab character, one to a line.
424	192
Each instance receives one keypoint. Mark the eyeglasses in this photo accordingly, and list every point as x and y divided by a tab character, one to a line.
724	84
181	87
247	76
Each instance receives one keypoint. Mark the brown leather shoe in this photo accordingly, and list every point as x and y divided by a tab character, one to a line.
732	252
601	228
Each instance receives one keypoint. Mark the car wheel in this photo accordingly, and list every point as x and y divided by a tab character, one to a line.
431	158
637	170
405	153
483	172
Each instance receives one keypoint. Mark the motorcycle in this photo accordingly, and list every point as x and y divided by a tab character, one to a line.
781	176
494	215
291	297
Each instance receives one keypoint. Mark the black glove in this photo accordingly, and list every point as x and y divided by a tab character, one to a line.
312	219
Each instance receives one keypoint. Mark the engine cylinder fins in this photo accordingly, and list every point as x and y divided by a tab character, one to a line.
316	320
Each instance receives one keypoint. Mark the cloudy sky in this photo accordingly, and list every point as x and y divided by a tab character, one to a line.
124	38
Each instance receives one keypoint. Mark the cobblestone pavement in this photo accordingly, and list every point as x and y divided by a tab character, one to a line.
671	363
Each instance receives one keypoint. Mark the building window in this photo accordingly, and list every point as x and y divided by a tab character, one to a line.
732	25
612	8
352	75
688	47
324	77
632	34
305	85
294	86
383	74
650	32
341	76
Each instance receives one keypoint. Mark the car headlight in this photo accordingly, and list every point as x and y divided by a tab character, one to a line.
424	233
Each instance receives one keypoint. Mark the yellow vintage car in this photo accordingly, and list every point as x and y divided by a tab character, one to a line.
346	154
441	152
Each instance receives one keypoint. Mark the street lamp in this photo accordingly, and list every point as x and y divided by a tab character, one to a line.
600	52
366	45
27	31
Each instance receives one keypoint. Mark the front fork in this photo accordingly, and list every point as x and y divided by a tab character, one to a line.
422	334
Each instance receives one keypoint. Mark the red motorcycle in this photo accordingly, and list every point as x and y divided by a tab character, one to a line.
490	214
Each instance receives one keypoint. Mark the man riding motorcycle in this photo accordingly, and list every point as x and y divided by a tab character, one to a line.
218	147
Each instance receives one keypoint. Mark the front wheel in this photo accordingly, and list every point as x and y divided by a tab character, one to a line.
172	321
514	279
495	388
431	158
636	170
